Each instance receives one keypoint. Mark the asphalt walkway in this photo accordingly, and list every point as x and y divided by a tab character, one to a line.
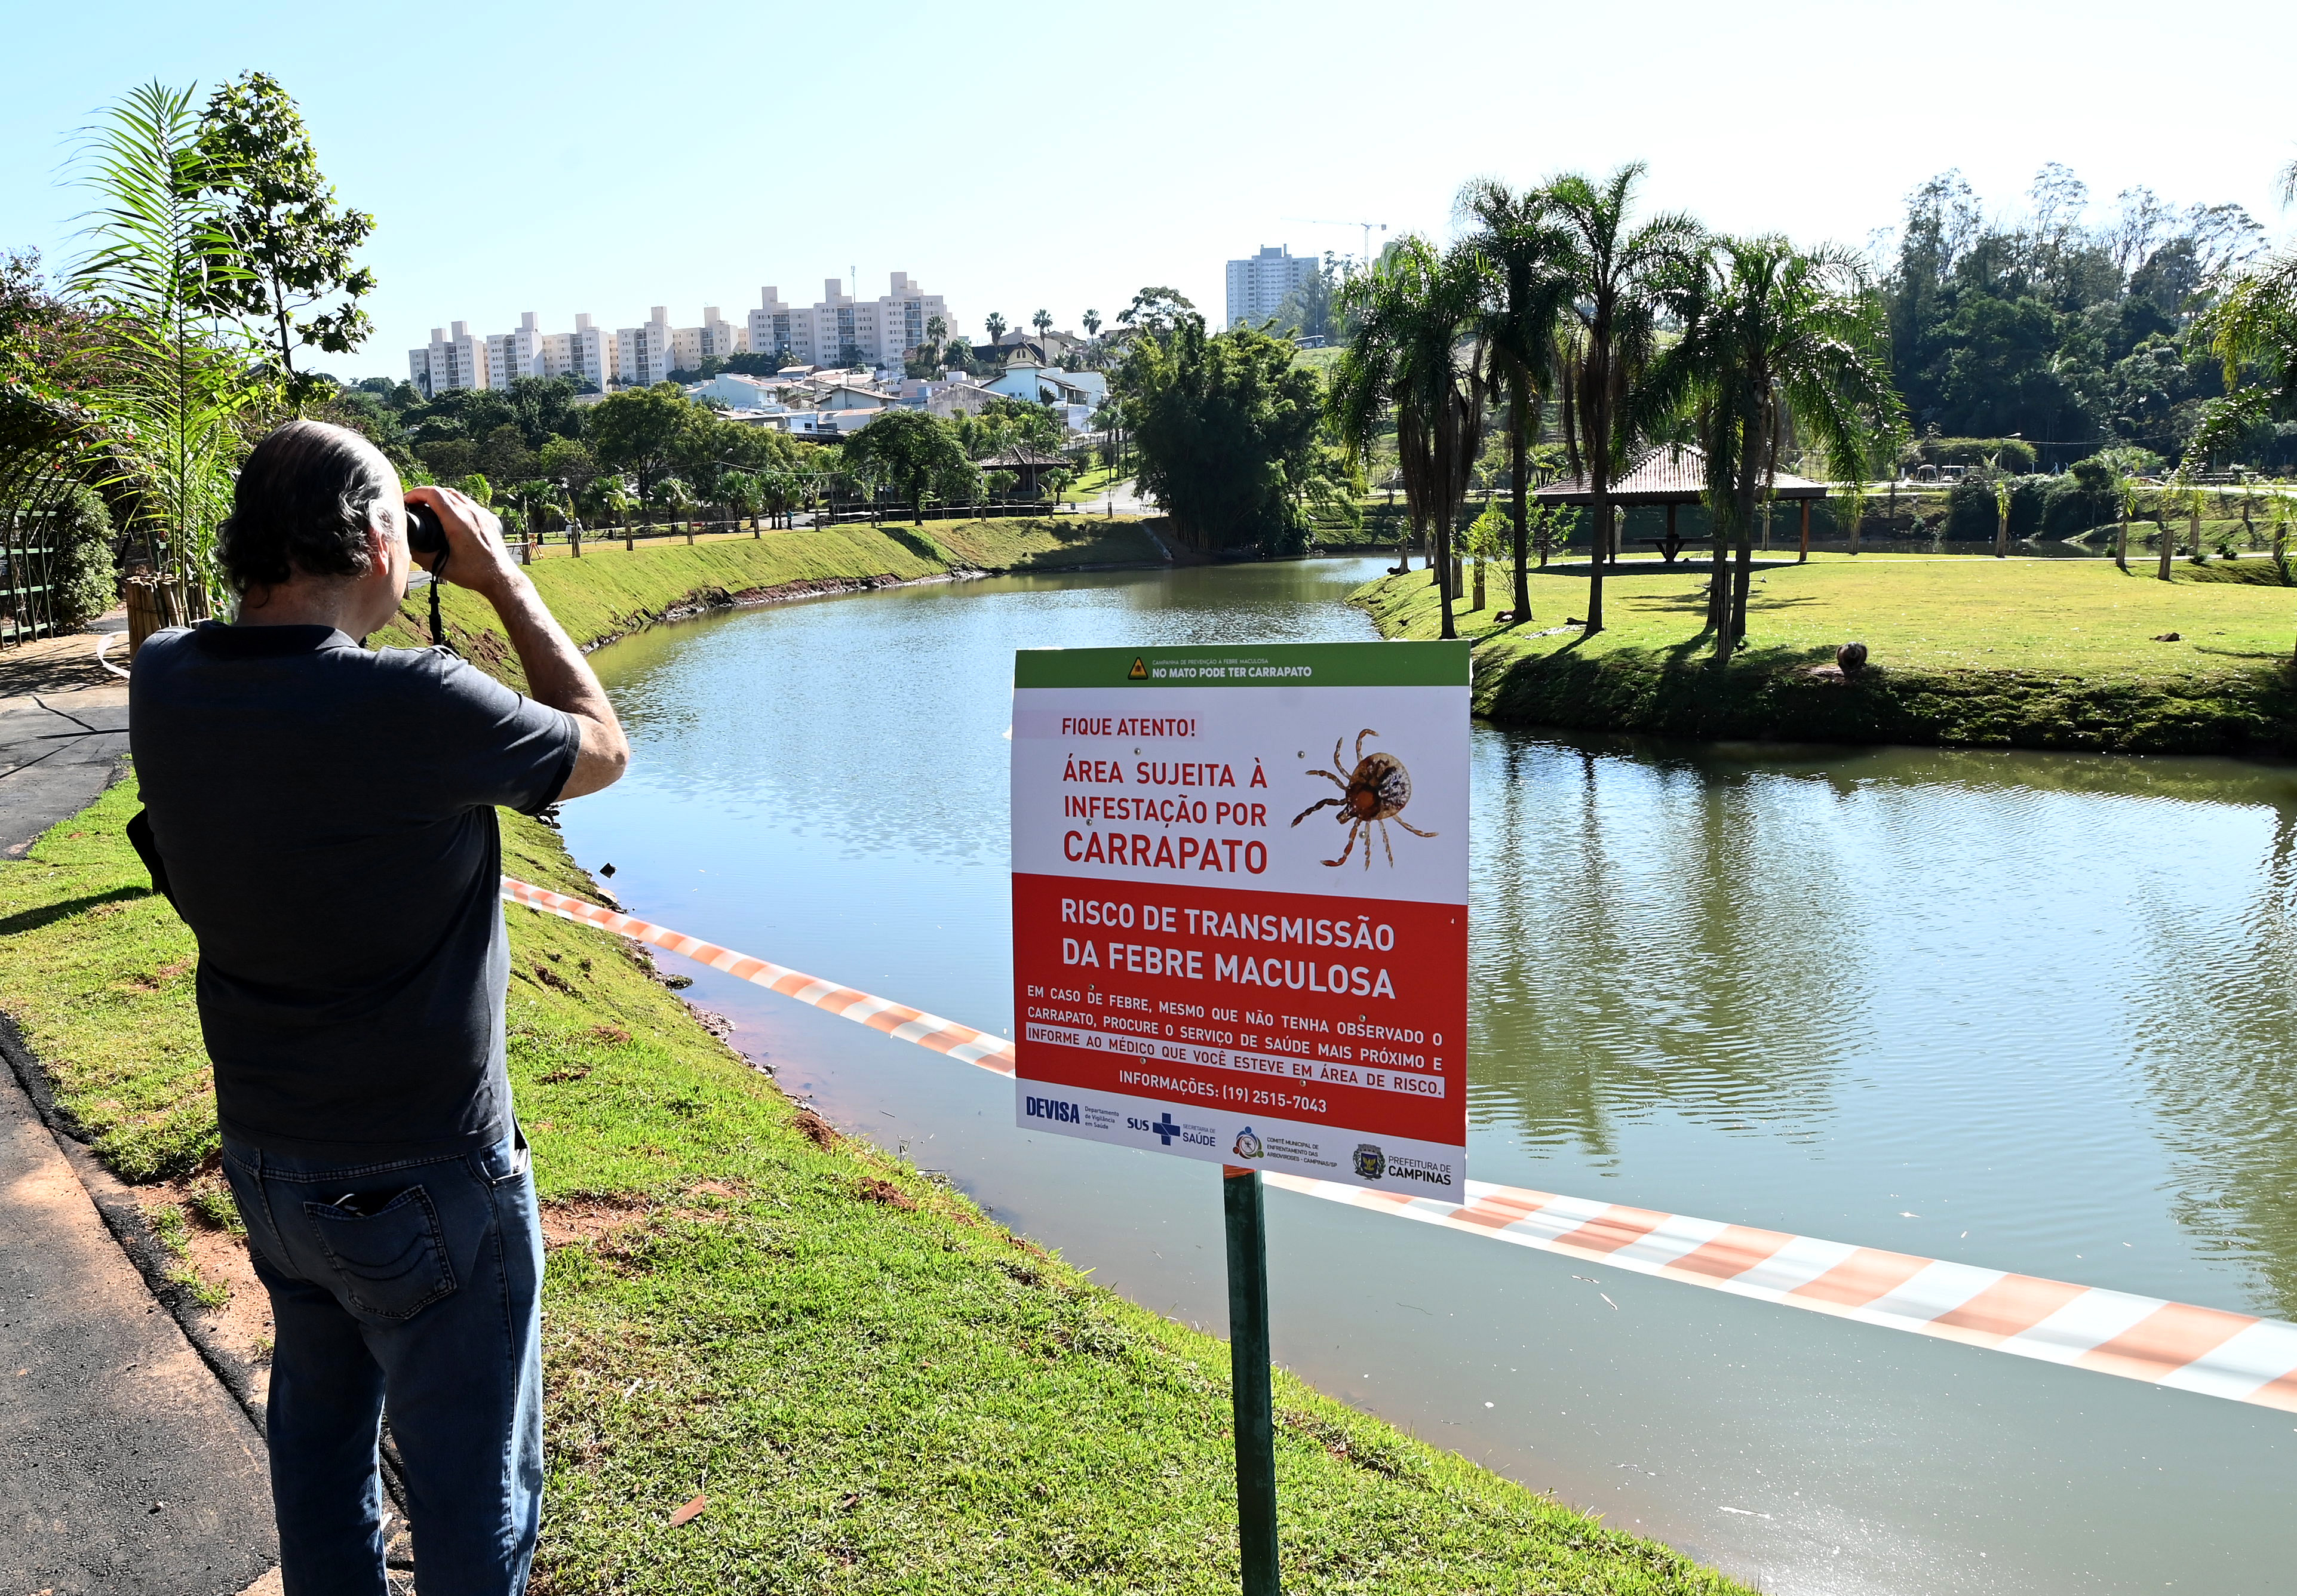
125	1467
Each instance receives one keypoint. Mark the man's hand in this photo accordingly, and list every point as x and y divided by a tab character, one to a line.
557	673
476	556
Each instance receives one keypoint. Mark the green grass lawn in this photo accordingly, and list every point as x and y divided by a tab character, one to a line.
878	1389
2035	653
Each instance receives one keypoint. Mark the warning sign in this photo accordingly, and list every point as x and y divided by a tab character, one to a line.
1240	904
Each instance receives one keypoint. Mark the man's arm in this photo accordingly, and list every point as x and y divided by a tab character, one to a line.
557	673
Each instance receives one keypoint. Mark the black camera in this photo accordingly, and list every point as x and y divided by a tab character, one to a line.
424	535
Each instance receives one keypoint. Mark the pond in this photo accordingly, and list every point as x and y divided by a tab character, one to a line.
2025	1011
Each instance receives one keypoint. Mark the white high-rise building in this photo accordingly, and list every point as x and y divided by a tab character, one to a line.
775	326
514	355
452	359
1257	285
838	325
595	353
902	316
587	354
644	355
717	338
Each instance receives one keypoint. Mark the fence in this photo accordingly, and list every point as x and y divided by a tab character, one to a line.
30	552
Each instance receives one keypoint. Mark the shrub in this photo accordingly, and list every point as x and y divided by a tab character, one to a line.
1970	512
2010	454
2086	496
85	583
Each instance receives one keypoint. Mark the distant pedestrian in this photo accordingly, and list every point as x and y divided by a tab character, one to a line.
323	816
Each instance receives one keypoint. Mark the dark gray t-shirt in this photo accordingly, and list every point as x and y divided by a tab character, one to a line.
327	818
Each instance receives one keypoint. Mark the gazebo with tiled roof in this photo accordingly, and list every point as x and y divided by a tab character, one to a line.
1025	462
1673	476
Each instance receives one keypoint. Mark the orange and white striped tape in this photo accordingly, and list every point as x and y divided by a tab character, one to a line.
961	1042
2236	1356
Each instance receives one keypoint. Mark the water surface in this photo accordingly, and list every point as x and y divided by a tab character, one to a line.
2020	1010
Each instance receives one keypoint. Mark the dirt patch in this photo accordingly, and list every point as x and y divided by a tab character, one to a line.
816	1129
160	978
614	1035
874	1190
211	1260
554	980
596	1219
591	1218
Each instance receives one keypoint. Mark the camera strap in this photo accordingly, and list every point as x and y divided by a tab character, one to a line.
439	638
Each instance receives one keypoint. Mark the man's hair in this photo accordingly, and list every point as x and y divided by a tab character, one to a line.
301	504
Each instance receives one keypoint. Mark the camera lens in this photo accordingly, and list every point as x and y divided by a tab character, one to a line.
424	535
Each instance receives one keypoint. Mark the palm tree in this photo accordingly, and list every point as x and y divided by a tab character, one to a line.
1411	312
1093	324
1044	322
995	323
179	379
1618	277
936	329
1525	295
1776	342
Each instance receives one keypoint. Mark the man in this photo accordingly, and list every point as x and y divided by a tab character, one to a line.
324	819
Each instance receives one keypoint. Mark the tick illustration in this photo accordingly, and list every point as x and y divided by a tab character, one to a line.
1372	794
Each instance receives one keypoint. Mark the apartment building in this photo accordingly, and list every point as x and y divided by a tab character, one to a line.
775	325
1257	285
647	354
882	329
835	330
514	355
717	338
452	359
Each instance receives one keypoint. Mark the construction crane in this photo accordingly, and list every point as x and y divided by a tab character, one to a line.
1318	221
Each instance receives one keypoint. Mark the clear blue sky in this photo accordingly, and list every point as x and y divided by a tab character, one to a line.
582	156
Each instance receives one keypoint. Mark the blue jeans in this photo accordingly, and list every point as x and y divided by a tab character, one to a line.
416	1284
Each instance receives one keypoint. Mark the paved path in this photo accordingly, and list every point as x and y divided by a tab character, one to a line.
126	1467
63	731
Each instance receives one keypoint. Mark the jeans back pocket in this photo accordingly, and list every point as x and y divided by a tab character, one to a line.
393	1261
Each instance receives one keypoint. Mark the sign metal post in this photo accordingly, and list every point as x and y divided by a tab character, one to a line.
1252	1395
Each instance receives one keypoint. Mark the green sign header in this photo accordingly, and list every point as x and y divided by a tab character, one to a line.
1246	665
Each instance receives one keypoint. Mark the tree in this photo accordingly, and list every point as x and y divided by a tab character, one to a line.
1775	341
936	330
1093	324
1312	308
81	581
1411	313
996	326
1224	428
1044	322
294	240
639	431
1155	310
176	376
1526	292
1618	274
567	463
915	455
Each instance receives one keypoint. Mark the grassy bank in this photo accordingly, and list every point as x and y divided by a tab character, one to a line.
877	1388
611	591
2030	654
